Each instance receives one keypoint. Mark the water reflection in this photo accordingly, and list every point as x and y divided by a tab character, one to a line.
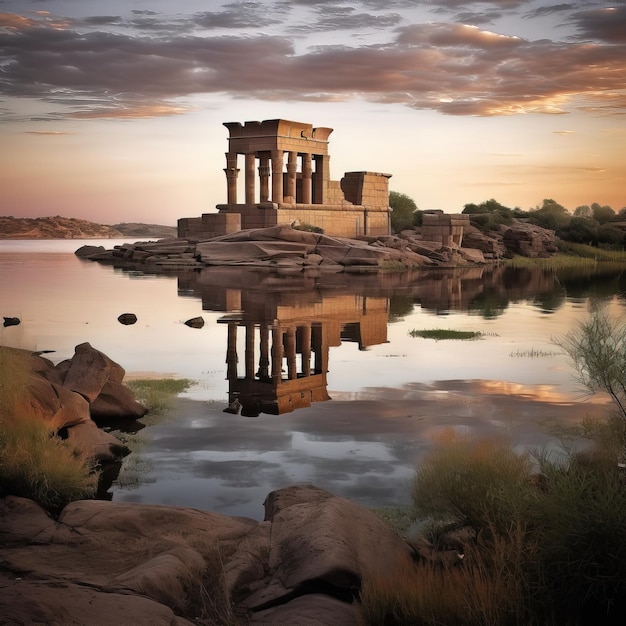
281	328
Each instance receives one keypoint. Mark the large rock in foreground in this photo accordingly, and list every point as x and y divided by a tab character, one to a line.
74	393
143	564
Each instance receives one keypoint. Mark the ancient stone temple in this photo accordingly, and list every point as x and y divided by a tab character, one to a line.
286	179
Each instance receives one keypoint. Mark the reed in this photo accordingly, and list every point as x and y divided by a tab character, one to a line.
439	334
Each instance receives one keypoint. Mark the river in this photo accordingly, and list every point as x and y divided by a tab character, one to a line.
351	402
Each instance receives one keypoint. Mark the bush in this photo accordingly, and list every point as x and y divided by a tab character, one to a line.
548	548
483	484
309	228
404	213
581	537
597	349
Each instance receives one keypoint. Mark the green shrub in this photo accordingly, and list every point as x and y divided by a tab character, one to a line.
483	484
309	228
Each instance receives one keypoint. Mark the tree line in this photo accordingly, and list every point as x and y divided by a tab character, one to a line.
596	225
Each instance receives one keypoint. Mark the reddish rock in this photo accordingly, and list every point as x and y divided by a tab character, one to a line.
116	401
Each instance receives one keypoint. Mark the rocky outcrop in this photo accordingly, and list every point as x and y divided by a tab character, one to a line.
75	394
528	240
287	250
145	564
490	245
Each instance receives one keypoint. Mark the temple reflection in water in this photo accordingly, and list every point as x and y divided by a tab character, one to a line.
281	328
286	348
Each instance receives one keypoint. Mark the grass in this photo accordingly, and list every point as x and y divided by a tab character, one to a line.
157	395
548	544
535	353
439	334
571	255
34	462
400	518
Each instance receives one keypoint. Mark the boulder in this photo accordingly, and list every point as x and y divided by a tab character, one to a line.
57	603
116	401
529	240
127	319
48	397
317	544
50	402
88	251
472	255
92	443
195	322
490	246
89	370
135	563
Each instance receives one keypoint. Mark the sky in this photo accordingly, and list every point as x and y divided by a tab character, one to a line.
113	111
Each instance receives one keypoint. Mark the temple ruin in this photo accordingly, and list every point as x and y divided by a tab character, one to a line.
287	180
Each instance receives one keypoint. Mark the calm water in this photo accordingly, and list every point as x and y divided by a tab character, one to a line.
389	394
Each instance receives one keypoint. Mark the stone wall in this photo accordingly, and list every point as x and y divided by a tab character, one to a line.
444	228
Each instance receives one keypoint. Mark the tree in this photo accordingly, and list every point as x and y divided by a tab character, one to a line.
580	230
602	214
488	206
582	211
550	215
404	211
597	349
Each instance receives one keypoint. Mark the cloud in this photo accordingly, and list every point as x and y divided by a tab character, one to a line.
608	24
550	10
456	69
54	133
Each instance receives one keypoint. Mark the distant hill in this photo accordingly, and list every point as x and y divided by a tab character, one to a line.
136	229
58	227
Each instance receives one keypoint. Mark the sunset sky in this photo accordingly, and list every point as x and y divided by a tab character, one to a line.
112	110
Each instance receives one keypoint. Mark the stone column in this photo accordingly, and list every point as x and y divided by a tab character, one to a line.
290	352
231	352
306	178
320	349
264	360
250	174
321	178
231	177
277	352
277	175
249	356
292	167
305	340
264	178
